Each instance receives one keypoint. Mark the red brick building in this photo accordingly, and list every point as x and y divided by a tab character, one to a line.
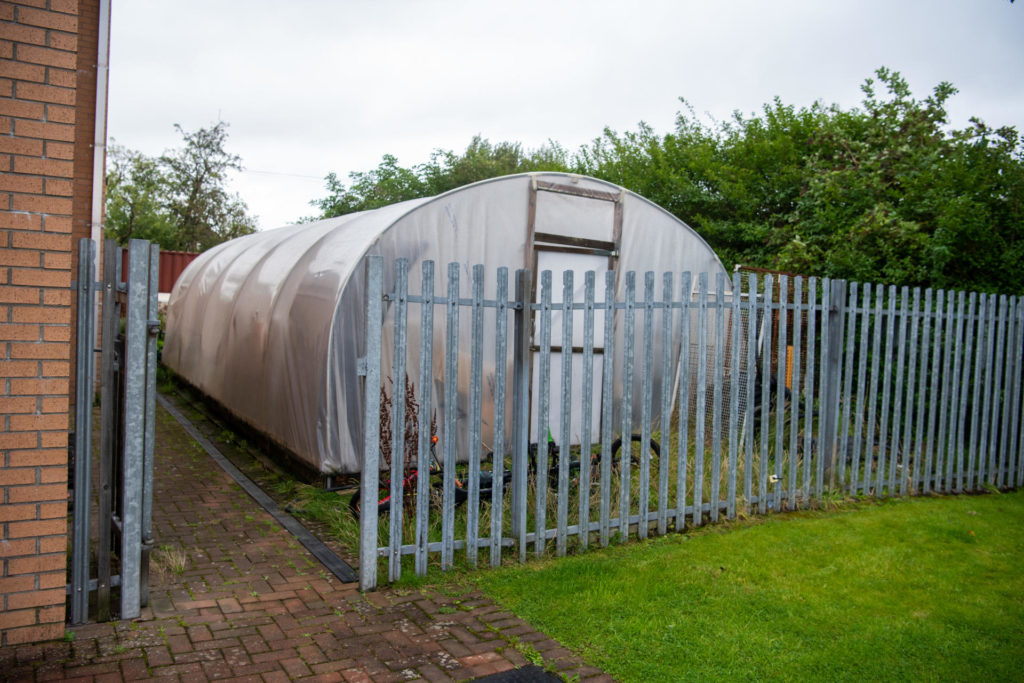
50	54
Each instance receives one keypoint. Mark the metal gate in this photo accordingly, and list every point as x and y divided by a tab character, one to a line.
118	533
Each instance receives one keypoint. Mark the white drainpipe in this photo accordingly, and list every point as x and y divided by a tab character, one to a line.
99	151
99	145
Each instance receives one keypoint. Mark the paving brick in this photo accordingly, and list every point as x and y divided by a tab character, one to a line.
192	670
329	677
205	624
296	667
158	656
274	655
229	605
200	633
198	656
179	644
216	670
134	669
432	672
356	676
271	632
515	657
254	644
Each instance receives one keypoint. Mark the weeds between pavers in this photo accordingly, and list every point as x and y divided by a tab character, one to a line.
173	559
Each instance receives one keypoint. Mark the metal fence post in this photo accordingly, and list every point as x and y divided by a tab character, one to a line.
398	425
628	357
450	417
134	428
565	412
369	479
85	361
543	414
475	415
829	400
590	280
646	363
607	375
700	396
426	415
500	374
149	432
108	422
521	324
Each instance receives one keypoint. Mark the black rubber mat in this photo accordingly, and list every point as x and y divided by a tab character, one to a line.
524	674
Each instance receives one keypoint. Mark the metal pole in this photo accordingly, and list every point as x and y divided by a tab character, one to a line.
521	329
475	412
86	338
134	425
426	416
153	330
498	460
398	387
829	400
111	311
371	427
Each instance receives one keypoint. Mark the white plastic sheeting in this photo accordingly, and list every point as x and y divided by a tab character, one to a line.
271	325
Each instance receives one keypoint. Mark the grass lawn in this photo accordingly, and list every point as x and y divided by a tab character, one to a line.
910	589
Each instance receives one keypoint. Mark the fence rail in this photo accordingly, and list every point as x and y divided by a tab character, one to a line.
755	394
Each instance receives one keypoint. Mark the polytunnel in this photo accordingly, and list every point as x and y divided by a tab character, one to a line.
271	325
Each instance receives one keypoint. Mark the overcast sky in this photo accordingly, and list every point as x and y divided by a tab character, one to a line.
310	87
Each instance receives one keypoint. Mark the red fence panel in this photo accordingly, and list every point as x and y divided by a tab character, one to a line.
172	264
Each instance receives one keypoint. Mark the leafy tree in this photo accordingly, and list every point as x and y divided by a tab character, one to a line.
386	184
135	198
203	210
892	196
882	193
736	183
482	160
885	192
178	200
446	170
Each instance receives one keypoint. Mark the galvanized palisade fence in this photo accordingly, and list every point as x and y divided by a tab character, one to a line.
114	531
783	389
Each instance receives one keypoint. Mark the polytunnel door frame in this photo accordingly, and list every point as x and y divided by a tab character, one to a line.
559	245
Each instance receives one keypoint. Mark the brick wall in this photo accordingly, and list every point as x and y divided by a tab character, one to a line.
42	59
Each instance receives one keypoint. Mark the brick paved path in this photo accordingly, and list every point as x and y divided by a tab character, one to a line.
253	604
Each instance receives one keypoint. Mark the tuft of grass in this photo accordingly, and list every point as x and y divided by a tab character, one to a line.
530	653
286	487
328	508
911	589
832	499
173	559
